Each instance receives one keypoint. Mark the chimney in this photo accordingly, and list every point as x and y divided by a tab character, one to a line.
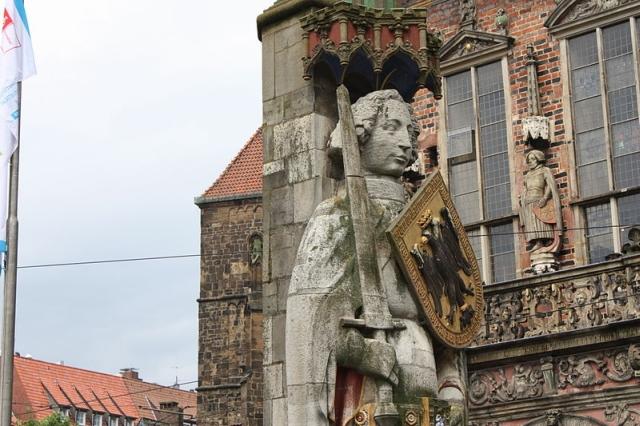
170	414
130	373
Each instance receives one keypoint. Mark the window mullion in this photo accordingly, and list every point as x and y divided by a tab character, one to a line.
476	115
605	106
486	253
615	225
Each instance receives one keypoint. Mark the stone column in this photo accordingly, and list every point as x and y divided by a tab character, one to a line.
297	124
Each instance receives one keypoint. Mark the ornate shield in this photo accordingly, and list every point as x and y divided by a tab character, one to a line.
437	260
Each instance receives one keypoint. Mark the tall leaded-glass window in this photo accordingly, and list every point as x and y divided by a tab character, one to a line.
603	68
478	165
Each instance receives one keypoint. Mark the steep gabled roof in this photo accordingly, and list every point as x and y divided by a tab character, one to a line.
243	176
40	386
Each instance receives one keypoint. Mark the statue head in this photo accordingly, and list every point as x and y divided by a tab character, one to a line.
387	134
534	158
552	417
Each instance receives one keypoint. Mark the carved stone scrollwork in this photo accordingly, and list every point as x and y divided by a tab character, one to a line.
594	301
581	372
523	381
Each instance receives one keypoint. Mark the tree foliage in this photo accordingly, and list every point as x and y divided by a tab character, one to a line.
55	419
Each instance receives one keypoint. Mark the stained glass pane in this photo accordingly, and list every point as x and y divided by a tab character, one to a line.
583	50
463	178
590	147
626	171
588	114
623	105
491	108
459	87
489	78
460	116
460	142
616	40
494	138
497	201
502	253
625	137
599	238
586	82
495	170
593	179
620	72
467	207
464	190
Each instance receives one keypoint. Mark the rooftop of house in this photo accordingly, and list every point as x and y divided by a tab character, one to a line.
40	387
242	177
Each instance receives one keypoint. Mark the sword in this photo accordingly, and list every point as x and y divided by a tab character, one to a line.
376	315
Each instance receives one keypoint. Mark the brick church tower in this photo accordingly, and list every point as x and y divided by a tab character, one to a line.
230	303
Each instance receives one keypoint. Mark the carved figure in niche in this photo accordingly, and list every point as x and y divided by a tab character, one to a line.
256	250
333	370
618	292
467	13
543	310
585	310
540	206
440	260
540	214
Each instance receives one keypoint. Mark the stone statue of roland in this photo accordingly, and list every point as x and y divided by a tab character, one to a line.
332	369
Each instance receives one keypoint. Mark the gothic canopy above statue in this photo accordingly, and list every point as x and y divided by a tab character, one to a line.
369	49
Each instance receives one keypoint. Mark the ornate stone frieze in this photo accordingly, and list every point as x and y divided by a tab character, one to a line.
573	16
522	381
564	306
591	7
549	376
468	42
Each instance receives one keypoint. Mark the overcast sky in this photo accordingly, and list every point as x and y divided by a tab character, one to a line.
136	108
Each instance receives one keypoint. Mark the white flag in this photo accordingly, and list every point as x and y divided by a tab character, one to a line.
16	64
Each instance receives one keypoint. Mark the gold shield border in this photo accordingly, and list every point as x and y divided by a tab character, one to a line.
422	200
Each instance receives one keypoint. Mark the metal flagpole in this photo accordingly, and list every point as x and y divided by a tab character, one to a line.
10	280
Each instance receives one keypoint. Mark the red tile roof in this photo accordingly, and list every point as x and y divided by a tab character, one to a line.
39	386
243	176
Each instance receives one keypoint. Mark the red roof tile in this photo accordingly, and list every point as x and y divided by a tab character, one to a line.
39	386
243	176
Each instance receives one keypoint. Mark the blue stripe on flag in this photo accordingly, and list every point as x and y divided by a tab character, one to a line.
3	246
23	14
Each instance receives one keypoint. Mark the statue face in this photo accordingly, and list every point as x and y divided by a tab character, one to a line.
532	161
388	150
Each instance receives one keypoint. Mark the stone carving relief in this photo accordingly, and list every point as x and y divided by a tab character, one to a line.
467	14
523	381
622	415
592	7
557	417
549	376
561	307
